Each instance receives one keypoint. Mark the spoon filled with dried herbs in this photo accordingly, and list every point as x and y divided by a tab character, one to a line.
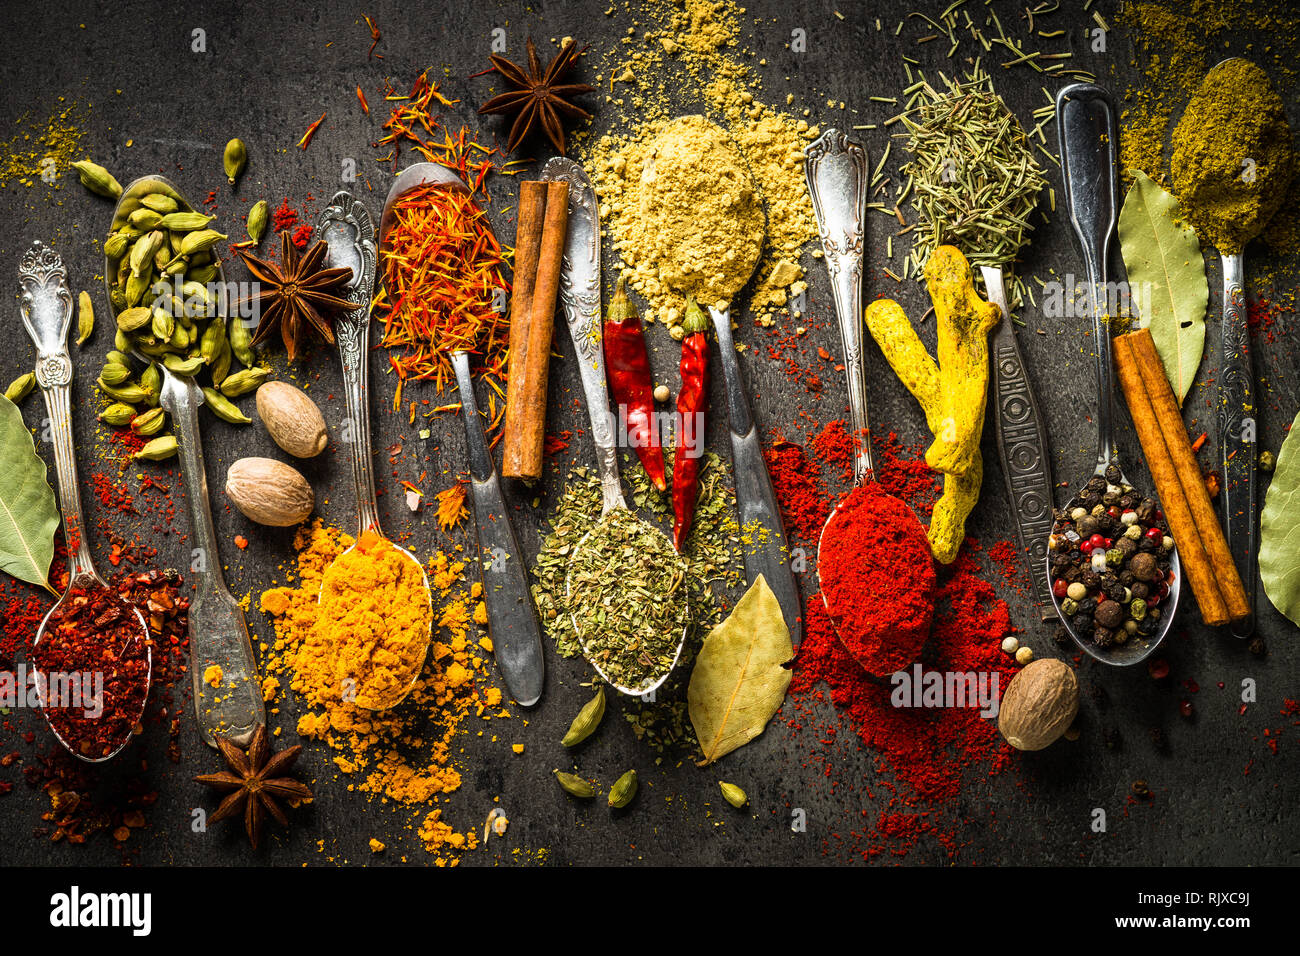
440	261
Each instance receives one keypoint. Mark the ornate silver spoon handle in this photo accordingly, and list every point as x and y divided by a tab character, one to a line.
1237	439
580	296
46	307
836	168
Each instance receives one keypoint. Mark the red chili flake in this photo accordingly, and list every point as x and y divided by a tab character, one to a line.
241	542
285	218
302	235
1200	440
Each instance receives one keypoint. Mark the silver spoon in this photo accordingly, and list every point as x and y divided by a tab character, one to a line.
1089	141
217	630
512	622
349	234
46	306
836	168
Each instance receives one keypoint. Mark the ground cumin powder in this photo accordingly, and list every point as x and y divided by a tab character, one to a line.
404	754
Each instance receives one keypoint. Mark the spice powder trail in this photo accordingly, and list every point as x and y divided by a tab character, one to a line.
402	754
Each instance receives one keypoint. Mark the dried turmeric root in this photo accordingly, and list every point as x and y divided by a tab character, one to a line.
952	392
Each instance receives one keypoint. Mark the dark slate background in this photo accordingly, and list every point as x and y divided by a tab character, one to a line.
1220	796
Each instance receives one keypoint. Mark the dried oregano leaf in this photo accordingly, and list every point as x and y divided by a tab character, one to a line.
1166	277
1279	530
739	680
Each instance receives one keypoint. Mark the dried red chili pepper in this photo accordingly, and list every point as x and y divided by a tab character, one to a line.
94	636
627	365
692	401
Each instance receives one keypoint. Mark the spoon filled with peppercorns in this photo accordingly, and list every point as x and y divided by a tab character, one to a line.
1112	564
92	653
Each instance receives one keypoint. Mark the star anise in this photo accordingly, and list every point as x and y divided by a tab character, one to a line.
295	294
538	97
255	783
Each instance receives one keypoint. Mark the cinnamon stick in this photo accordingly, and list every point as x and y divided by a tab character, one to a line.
534	317
528	249
1196	565
1177	440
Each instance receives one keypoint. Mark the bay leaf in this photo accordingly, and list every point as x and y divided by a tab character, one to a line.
1166	277
29	514
739	682
1279	529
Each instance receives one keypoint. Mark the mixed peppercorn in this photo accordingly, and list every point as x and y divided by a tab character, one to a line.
1109	561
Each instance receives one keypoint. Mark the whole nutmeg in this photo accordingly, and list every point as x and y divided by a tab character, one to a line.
269	492
293	420
1039	705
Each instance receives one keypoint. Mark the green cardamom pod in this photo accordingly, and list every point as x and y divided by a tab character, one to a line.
733	794
181	338
574	785
97	179
85	318
118	356
588	719
204	274
200	241
200	259
220	366
258	217
130	393
175	267
241	383
235	159
185	221
159	202
117	298
115	374
183	366
20	387
213	337
144	250
149	423
163	324
196	291
115	245
151	381
144	218
241	342
121	341
136	287
624	789
224	408
158	449
117	414
131	319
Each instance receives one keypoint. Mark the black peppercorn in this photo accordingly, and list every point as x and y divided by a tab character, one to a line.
1140	589
1258	647
1126	578
1088	606
1103	636
1113	474
1087	526
1096	483
1090	578
1128	501
1126	546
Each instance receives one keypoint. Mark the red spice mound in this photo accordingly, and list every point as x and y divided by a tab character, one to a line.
794	479
837	448
878	578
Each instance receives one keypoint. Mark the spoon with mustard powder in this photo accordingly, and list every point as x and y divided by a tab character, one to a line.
1232	164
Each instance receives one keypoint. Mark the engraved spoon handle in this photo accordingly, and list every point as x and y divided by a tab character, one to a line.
1237	438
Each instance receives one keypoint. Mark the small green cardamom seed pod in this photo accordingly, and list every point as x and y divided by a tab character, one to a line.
97	179
181	338
117	414
624	789
185	221
220	366
117	298
130	393
733	794
144	251
136	287
241	342
235	159
199	241
159	449
163	324
144	218
175	267
131	319
115	245
574	785
224	408
115	374
118	356
241	383
151	381
159	202
198	259
203	274
588	719
121	341
213	338
183	366
162	259
149	423
85	318
258	217
20	387
195	291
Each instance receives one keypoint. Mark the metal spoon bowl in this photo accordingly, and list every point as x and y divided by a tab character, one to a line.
1089	140
349	233
46	307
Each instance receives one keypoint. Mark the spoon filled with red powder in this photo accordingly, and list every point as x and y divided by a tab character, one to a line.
874	563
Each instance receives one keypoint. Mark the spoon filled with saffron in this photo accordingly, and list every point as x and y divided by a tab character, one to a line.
880	595
421	195
92	653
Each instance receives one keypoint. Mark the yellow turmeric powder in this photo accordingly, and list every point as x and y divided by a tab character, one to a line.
951	392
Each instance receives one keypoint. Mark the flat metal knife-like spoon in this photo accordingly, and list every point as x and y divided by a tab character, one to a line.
1089	141
218	632
46	306
512	620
